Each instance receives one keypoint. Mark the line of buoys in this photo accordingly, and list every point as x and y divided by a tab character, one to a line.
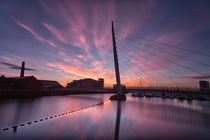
22	124
6	129
59	115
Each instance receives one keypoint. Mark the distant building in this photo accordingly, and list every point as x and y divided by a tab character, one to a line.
204	86
87	83
27	82
46	84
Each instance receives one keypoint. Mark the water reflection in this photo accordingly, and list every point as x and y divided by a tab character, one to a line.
14	129
117	127
137	118
16	111
173	112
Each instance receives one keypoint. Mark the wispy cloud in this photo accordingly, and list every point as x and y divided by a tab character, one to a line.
55	32
38	37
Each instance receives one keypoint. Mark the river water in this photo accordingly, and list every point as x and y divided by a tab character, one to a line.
95	117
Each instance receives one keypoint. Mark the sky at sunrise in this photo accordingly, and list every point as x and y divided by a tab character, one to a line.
159	42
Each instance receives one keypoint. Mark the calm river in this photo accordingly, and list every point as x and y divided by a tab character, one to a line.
95	117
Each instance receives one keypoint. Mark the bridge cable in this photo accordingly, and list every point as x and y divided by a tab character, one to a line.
184	66
146	58
157	71
161	43
165	50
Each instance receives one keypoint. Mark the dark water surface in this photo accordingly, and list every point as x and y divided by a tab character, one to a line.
138	118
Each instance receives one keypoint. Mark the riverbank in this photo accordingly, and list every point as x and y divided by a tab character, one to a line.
180	96
27	93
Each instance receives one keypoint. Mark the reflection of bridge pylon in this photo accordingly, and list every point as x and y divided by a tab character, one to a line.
120	88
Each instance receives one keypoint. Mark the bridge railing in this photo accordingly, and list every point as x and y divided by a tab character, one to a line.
163	89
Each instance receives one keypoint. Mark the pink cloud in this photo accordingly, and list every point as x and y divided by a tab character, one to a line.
9	74
80	56
36	35
81	32
76	71
55	32
76	25
6	58
50	64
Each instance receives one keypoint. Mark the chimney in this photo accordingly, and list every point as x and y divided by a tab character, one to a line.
22	69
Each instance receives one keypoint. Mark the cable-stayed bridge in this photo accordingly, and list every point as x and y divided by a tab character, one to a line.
149	65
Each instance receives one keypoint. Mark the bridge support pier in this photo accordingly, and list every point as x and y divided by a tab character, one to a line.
120	96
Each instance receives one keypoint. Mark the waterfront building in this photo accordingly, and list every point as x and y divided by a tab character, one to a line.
86	83
47	84
26	82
